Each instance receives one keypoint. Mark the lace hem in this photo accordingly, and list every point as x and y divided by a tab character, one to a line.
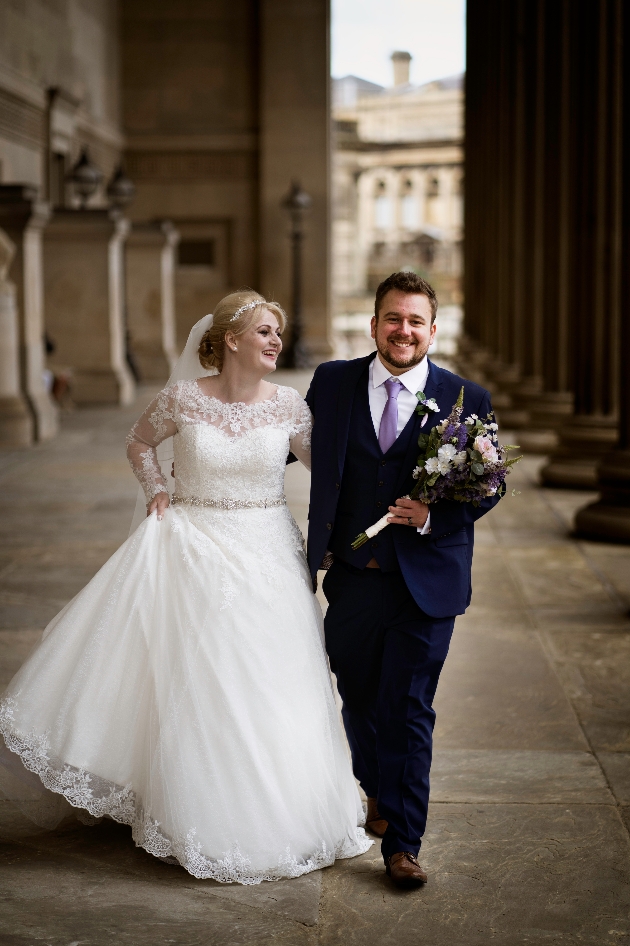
100	797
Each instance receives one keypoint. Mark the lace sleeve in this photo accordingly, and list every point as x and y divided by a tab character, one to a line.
300	432
156	424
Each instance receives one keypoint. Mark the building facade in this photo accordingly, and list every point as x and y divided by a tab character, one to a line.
397	188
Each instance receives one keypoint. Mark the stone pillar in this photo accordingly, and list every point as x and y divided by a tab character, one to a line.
150	293
609	517
597	258
553	405
488	75
16	421
519	201
480	128
504	92
522	272
83	279
295	145
23	218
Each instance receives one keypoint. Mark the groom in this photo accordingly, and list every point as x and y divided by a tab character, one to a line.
392	603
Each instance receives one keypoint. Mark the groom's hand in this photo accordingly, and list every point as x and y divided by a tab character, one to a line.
409	512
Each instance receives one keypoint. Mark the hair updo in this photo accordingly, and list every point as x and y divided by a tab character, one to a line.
212	346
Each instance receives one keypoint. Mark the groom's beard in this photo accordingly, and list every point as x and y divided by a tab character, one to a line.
404	361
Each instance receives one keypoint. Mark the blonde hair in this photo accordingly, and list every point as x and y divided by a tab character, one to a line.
212	346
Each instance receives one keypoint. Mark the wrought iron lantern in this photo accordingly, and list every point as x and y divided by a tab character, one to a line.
85	177
120	190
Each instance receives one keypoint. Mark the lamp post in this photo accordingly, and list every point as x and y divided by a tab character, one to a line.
296	202
85	178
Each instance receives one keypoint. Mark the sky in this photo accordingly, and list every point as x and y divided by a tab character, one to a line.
366	32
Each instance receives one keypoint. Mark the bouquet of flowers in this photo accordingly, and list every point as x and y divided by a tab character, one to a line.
459	460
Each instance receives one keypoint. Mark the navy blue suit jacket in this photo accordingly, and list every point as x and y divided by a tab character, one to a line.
436	567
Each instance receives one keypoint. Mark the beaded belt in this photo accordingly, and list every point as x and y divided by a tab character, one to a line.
229	503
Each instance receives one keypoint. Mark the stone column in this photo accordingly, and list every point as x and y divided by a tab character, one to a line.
83	279
23	218
553	406
597	258
609	517
16	421
522	376
483	346
295	145
150	294
504	92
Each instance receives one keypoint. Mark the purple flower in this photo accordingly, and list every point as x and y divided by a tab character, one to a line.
462	437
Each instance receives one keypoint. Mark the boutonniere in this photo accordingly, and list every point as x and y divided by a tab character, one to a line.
425	405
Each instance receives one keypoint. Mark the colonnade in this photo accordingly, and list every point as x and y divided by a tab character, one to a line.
81	293
547	223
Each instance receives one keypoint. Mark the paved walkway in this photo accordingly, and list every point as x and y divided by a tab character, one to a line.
527	839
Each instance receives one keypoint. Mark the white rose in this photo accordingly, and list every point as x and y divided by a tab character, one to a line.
431	465
447	452
444	465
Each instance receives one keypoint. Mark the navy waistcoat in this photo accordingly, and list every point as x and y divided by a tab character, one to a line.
368	486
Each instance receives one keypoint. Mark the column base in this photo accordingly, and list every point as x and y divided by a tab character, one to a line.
101	386
510	417
608	519
551	410
152	362
536	441
16	423
583	444
521	393
46	415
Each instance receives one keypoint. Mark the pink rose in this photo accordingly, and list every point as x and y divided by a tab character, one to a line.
487	449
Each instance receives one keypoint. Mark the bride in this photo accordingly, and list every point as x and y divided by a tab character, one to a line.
185	690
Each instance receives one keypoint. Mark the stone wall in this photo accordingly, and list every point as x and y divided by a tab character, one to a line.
72	47
224	105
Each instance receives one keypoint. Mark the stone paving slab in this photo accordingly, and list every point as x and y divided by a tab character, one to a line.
616	766
508	776
498	690
57	900
505	874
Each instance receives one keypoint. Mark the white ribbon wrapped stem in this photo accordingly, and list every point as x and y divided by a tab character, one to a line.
378	526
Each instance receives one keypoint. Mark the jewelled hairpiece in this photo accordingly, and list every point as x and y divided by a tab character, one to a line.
246	308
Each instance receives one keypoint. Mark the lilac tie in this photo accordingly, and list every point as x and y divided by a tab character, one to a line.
388	430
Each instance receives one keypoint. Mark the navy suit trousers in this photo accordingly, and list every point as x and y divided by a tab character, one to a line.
387	655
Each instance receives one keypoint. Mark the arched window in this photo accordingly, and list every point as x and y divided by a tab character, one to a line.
382	207
433	186
409	207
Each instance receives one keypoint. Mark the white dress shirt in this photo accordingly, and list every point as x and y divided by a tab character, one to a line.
412	381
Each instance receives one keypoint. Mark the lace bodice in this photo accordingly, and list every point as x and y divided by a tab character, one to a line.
221	451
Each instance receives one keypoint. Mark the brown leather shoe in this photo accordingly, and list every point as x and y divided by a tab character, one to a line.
404	870
373	822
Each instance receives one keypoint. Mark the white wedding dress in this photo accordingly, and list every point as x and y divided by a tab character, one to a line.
185	690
